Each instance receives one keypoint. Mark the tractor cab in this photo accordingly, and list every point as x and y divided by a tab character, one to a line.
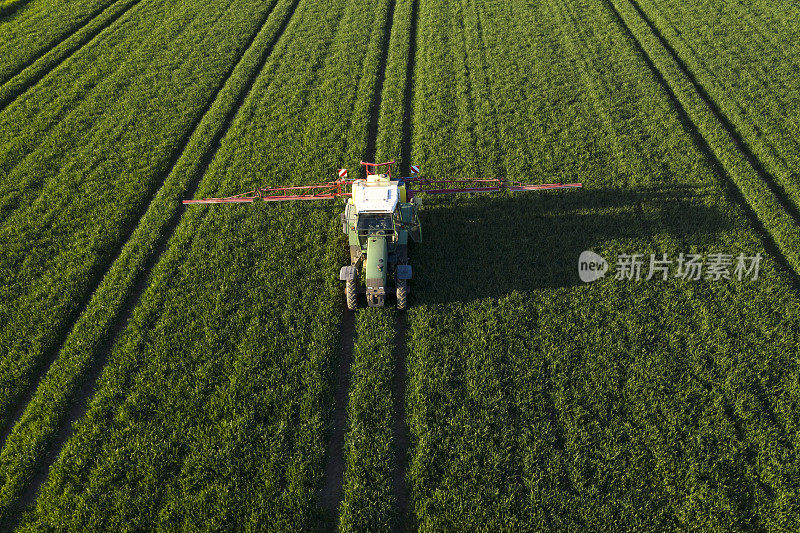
375	224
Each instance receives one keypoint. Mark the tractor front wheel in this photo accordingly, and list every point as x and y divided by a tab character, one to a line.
351	293
402	294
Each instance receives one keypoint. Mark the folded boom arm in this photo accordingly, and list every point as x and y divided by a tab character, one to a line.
319	191
414	185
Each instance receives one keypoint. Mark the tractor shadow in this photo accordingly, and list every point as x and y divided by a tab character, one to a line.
482	247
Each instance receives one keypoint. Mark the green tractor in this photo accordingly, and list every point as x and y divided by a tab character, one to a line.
379	218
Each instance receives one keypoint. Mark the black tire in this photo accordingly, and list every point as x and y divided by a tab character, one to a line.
351	293
402	294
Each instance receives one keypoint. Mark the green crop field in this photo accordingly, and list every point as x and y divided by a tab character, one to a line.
170	367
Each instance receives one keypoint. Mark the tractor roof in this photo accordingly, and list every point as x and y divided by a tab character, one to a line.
378	194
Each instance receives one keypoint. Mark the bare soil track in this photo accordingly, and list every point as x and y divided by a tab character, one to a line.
401	430
408	96
331	494
375	107
10	10
330	497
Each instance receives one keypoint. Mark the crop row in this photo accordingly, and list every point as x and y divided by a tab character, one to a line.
239	319
73	194
540	403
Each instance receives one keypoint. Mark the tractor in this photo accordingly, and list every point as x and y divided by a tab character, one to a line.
379	218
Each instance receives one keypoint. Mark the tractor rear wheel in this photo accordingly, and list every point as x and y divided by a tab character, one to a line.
402	294
351	293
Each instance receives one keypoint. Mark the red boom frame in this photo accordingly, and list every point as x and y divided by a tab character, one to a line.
320	191
337	188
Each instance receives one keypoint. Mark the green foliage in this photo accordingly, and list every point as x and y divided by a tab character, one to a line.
369	504
534	402
42	415
539	403
46	30
240	315
8	6
746	173
745	55
98	152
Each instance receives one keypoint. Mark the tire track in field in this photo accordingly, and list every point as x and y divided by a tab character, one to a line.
408	95
10	10
19	83
331	495
377	95
782	200
93	15
401	429
748	122
81	400
751	158
75	104
737	195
